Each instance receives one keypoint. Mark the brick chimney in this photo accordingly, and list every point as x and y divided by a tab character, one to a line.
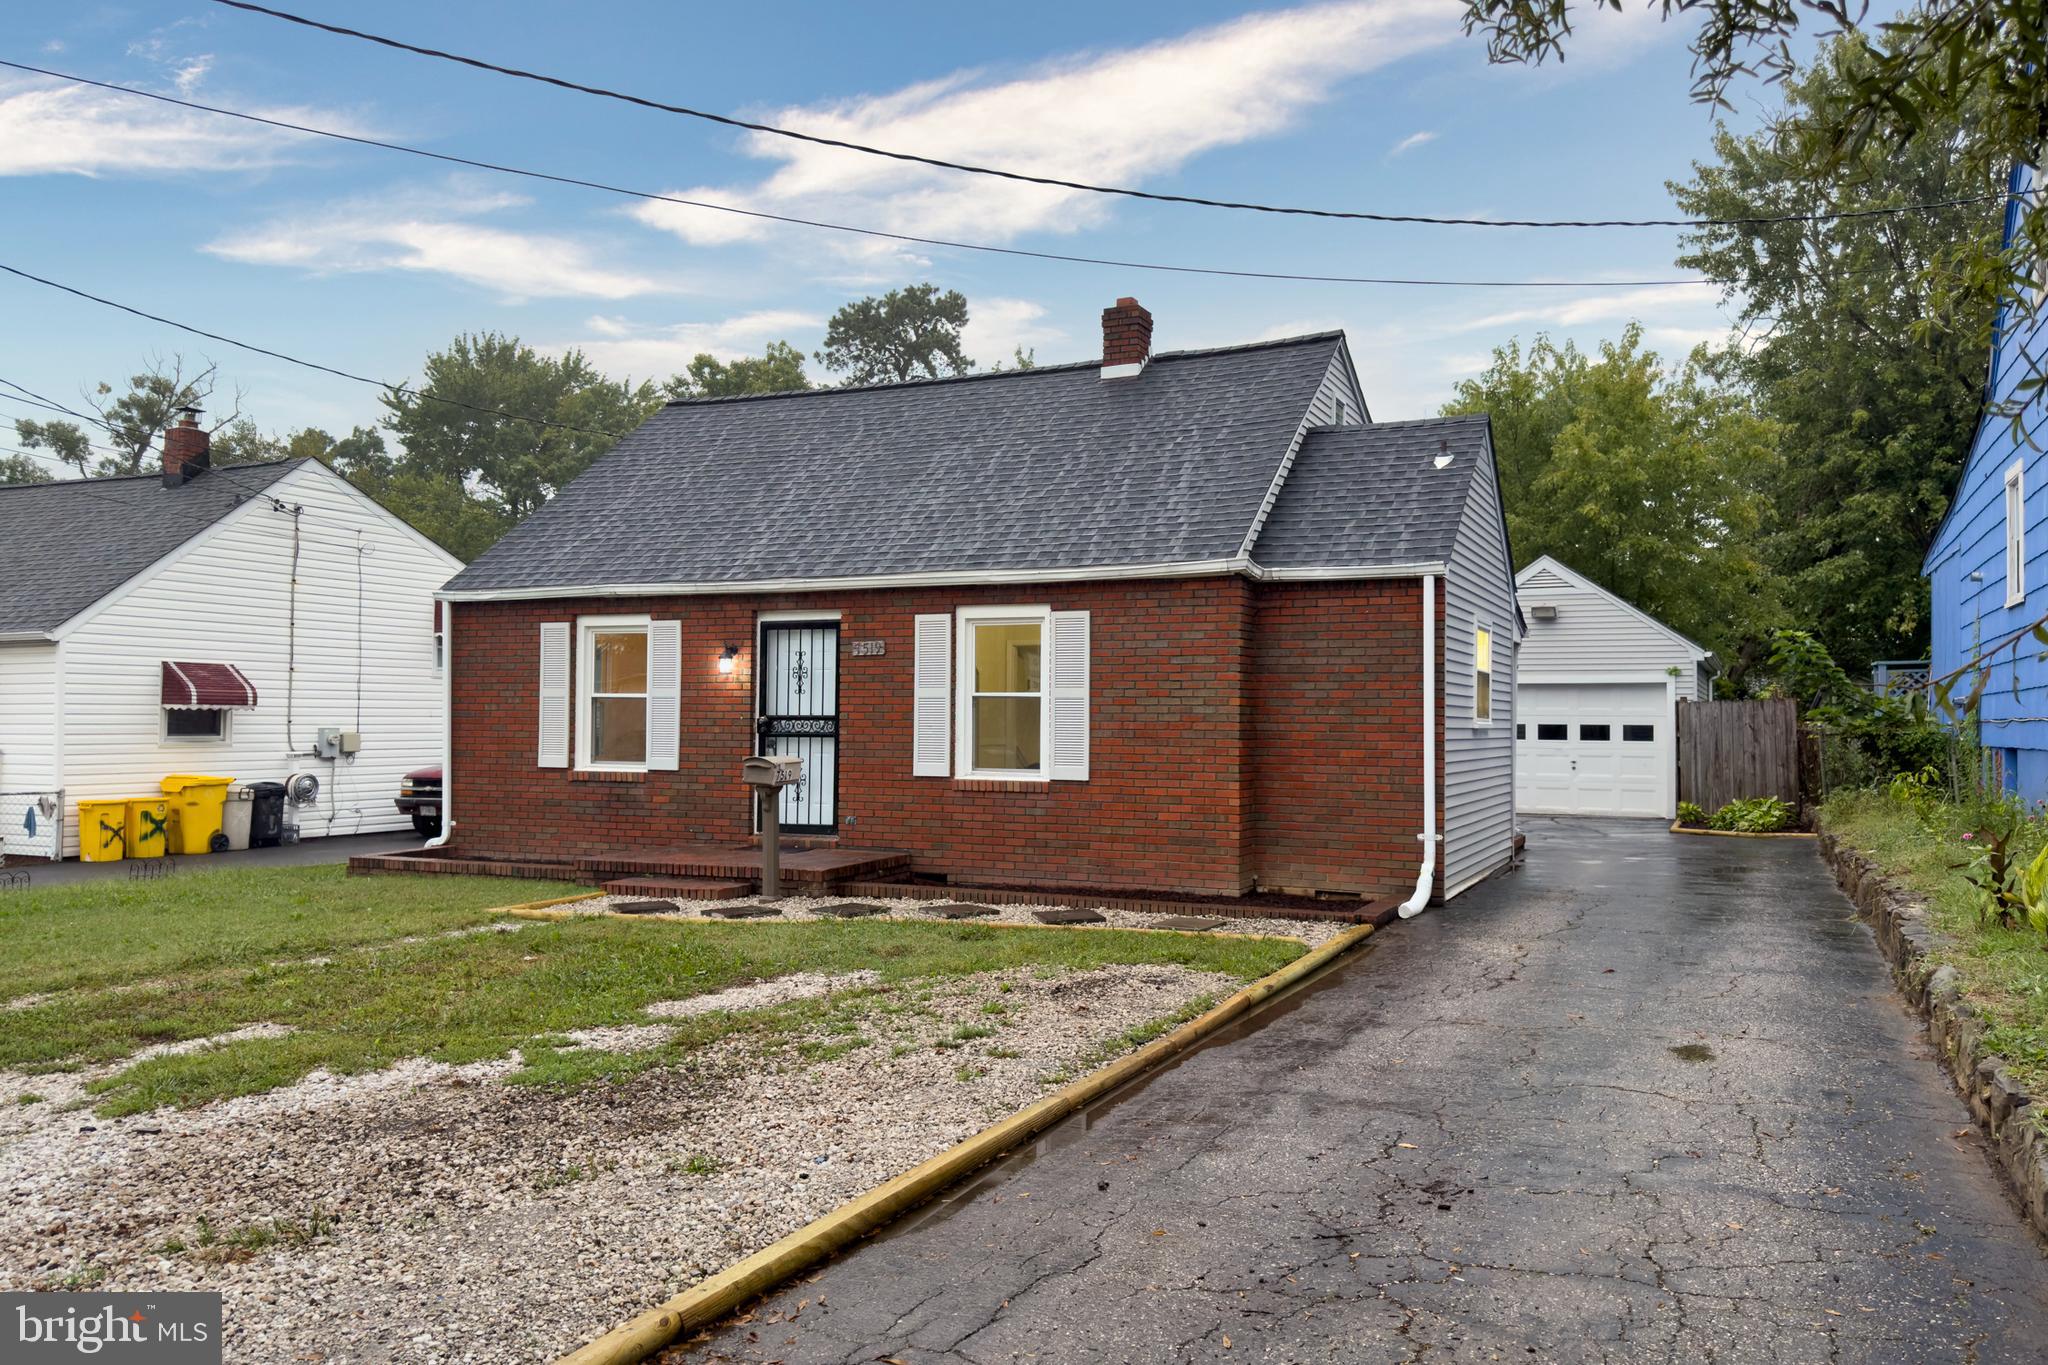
187	449
1126	339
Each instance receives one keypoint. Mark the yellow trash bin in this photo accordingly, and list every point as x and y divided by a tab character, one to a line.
102	831
149	824
195	801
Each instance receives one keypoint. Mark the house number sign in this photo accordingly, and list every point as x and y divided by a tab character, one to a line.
868	649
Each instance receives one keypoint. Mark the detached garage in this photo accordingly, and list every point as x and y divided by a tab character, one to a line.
1596	703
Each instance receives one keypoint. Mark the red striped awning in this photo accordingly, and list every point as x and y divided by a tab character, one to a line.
214	687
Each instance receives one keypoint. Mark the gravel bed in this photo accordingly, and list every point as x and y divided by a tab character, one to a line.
806	908
429	1213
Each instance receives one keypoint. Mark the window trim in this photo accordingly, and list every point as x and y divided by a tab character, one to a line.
1480	628
164	735
965	619
2016	532
588	628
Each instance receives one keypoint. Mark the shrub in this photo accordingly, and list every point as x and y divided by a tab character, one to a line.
1755	815
1691	814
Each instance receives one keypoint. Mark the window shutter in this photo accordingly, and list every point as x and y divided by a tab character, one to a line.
664	694
932	699
554	694
1070	696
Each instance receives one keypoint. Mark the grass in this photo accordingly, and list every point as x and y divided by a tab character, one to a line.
107	933
2003	972
467	998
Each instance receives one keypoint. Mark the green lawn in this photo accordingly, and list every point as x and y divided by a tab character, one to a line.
107	933
2004	972
202	955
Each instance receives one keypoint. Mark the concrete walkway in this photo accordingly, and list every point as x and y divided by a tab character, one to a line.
1651	1098
308	853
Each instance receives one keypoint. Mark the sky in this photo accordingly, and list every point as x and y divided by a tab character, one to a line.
368	260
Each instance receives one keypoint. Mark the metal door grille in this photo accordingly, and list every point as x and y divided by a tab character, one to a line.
799	714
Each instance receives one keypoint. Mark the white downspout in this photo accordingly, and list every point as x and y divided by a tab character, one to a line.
447	728
1425	879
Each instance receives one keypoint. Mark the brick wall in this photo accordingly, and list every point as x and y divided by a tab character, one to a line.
1172	802
1336	735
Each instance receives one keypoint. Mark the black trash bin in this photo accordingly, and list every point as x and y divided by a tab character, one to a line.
266	819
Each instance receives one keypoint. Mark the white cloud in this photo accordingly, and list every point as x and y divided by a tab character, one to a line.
619	347
433	233
51	129
1613	305
191	72
1410	143
1120	117
997	327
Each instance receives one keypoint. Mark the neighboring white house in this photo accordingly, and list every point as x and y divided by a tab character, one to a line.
1596	720
211	620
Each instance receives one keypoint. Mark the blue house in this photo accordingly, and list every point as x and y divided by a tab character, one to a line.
1988	566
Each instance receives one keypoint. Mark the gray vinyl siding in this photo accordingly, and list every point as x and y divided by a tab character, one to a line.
1593	635
1337	387
1479	759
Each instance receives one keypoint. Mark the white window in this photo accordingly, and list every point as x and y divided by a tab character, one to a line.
2016	533
611	693
195	725
1003	722
1482	675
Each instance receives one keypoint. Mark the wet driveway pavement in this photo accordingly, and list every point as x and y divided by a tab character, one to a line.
1649	1098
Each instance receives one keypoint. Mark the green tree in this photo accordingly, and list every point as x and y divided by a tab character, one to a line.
904	334
779	369
1646	480
17	469
1878	411
469	474
131	421
1928	69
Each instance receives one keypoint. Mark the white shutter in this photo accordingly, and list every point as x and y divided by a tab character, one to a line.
1070	696
664	694
932	697
554	694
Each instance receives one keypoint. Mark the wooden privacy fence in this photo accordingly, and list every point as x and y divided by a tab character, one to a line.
1733	750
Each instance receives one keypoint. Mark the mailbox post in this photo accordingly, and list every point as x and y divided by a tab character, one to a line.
768	776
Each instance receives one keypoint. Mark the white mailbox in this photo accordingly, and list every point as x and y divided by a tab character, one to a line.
774	770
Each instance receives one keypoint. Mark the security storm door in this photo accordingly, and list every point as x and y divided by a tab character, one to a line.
799	715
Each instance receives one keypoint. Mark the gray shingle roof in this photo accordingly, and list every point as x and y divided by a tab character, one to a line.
64	546
1372	495
1043	469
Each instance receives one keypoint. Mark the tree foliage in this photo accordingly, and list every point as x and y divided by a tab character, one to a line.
907	333
1878	410
18	469
779	369
1648	481
132	420
468	475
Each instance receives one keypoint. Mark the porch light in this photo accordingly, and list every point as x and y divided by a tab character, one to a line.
729	659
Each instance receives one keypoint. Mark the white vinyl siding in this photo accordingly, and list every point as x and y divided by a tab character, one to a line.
28	722
932	697
1597	635
2016	533
364	659
1479	754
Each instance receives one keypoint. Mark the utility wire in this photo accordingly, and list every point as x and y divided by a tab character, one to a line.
823	225
1054	182
305	364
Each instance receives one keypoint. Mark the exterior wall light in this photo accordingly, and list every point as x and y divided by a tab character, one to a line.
728	660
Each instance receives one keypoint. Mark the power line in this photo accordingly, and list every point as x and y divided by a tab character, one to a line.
791	220
1057	183
305	364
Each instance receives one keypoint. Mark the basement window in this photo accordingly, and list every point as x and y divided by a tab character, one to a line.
190	724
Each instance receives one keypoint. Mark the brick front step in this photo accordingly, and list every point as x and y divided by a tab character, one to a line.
458	866
1379	910
680	888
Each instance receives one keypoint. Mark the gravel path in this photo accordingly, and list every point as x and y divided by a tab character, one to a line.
429	1213
806	908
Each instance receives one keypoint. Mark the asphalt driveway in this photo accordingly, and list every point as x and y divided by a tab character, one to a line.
1649	1098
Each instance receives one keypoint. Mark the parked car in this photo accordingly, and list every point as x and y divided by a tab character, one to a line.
419	795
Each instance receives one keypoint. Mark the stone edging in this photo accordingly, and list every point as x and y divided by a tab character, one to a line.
2003	1110
1677	828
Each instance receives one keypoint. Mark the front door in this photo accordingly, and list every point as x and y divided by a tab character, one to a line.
798	706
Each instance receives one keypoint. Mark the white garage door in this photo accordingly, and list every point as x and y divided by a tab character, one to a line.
1594	749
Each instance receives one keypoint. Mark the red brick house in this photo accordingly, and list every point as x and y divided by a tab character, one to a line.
1162	622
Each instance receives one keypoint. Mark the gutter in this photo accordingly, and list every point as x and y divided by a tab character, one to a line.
447	728
1425	879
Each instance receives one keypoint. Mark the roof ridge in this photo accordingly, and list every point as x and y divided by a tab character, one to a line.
101	480
1063	367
